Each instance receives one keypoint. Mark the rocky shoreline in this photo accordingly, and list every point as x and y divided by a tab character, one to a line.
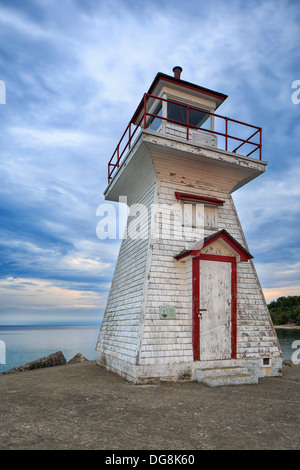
288	327
55	359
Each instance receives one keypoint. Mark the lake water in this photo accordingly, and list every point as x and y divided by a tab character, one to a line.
27	343
286	337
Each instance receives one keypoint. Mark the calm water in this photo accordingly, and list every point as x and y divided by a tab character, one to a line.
27	343
286	338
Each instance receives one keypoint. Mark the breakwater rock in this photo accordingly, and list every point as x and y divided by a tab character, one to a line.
55	359
78	358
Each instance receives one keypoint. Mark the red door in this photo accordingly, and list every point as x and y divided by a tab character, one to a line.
214	307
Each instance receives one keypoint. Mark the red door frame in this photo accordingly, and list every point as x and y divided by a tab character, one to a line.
196	301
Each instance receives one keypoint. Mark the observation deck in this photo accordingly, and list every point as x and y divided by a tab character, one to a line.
185	112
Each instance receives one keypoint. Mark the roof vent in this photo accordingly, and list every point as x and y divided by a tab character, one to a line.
177	71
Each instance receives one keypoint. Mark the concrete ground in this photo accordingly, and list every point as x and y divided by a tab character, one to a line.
82	406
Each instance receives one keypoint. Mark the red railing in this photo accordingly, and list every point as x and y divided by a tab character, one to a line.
145	118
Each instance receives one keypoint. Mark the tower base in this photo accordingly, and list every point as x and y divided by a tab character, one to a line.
212	373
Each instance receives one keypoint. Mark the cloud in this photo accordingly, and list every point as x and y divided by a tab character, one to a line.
44	295
53	137
19	22
43	301
269	211
73	81
279	273
275	292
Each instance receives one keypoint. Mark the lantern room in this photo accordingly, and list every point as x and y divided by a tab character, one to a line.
176	108
182	110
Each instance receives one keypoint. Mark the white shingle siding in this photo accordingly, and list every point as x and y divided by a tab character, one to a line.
119	335
134	340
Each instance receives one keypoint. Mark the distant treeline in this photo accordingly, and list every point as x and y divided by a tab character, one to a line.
285	310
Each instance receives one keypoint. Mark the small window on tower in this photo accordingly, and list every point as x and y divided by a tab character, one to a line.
178	112
211	217
194	215
199	210
191	215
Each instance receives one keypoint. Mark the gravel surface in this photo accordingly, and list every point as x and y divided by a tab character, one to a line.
82	406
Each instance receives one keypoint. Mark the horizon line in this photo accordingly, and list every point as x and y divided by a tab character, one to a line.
52	324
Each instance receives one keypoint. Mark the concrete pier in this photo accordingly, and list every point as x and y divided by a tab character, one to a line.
83	406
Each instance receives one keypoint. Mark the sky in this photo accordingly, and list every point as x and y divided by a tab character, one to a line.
74	72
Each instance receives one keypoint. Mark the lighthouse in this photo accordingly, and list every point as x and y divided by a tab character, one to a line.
185	302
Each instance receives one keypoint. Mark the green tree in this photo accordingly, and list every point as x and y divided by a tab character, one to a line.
285	309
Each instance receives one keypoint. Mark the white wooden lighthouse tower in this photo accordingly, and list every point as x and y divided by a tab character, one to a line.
185	302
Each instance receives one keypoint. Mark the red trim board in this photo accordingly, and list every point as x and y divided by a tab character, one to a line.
226	237
211	201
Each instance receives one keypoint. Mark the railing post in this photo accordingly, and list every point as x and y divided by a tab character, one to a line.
118	156
260	142
129	141
145	111
109	176
226	134
187	122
